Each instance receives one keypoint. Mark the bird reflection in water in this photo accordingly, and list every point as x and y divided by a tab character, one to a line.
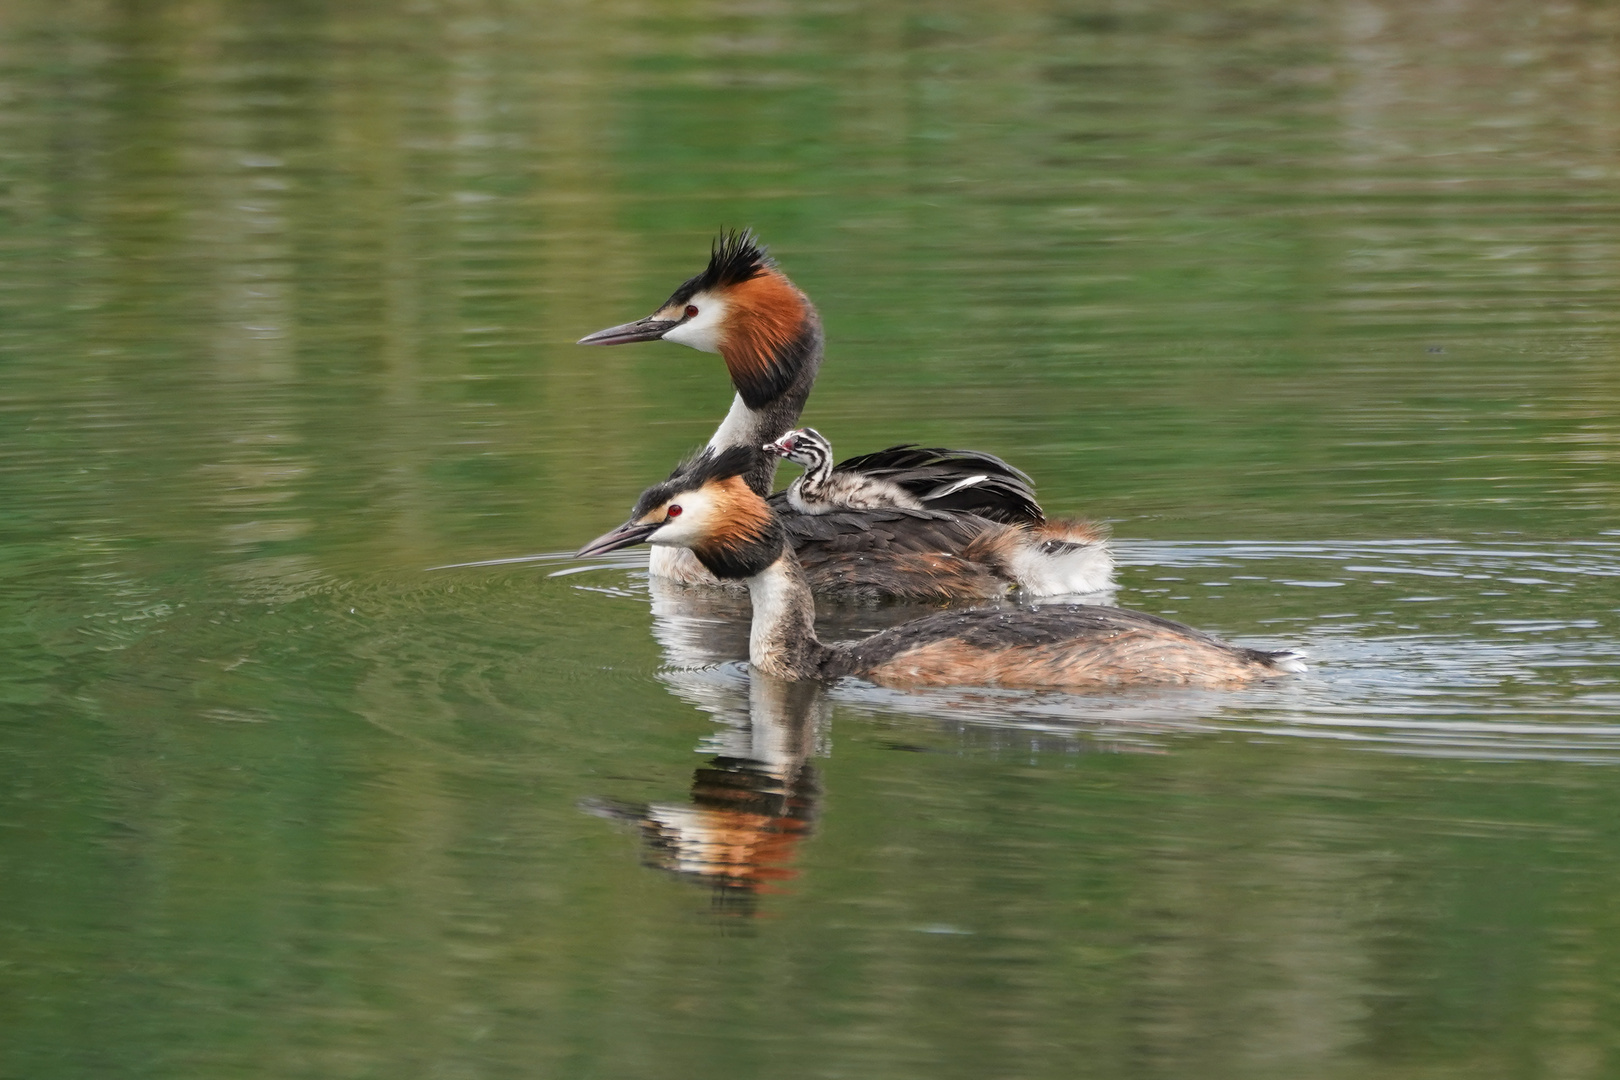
753	802
756	800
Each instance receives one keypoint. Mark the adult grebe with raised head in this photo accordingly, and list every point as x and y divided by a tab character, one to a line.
769	334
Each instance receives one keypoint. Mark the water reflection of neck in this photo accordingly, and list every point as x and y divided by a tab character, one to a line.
751	805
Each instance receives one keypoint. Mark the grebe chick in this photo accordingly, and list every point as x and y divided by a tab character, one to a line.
769	335
712	512
1051	558
822	490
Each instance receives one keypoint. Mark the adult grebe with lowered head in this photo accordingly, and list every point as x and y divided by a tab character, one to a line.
709	509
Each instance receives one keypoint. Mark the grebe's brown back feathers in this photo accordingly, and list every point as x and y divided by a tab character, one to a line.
873	555
1072	645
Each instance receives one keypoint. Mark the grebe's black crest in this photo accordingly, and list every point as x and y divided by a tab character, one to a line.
710	465
706	466
735	257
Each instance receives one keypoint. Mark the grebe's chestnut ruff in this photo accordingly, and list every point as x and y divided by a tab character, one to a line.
769	335
710	510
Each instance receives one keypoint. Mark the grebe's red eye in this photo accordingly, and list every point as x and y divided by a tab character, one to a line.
691	311
673	511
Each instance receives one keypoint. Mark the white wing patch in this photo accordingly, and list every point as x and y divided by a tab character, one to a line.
948	489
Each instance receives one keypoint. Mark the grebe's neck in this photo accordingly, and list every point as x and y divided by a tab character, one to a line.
782	641
812	486
770	397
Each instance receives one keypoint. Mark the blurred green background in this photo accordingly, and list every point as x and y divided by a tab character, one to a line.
287	298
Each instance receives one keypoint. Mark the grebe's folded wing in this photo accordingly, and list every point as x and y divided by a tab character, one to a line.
963	480
886	531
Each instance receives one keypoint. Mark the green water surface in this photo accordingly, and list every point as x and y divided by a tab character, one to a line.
1315	302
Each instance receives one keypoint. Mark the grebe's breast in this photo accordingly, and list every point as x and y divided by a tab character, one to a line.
680	566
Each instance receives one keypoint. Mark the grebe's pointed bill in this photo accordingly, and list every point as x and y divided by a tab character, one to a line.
631	532
781	447
652	328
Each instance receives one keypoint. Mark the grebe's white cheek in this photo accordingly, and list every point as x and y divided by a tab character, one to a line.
692	526
677	533
701	331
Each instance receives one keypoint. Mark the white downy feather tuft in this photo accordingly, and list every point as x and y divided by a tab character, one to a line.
1078	568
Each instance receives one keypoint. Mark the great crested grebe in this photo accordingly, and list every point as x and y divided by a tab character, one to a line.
769	335
711	511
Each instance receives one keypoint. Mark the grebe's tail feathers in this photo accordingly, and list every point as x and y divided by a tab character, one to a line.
1284	661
